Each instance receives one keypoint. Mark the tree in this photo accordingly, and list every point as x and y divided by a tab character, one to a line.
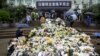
2	3
4	16
96	10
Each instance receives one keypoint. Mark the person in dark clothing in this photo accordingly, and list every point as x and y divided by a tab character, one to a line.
71	23
70	19
19	32
88	20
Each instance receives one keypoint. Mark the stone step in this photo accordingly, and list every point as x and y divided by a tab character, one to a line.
13	30
25	33
89	30
9	33
10	36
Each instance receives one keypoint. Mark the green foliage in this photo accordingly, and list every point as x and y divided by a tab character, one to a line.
95	9
17	13
20	12
34	15
4	16
12	11
2	3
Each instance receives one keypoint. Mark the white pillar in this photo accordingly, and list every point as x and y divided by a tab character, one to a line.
35	3
97	1
24	2
73	5
7	1
16	3
81	5
32	4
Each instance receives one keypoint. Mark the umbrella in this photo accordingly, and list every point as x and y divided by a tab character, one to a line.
69	13
89	13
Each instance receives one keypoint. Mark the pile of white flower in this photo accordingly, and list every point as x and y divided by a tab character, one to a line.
54	40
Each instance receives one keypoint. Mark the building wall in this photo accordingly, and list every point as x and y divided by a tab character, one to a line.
53	0
81	2
33	2
87	1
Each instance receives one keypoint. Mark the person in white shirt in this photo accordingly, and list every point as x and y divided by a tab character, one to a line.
73	18
28	18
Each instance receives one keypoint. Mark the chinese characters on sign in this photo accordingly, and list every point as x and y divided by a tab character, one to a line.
54	3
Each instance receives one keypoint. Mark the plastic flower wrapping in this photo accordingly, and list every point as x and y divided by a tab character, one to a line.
54	40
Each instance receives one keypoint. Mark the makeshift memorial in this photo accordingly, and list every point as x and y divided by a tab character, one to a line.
54	40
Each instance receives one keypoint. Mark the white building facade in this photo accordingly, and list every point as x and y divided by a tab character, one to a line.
80	3
32	3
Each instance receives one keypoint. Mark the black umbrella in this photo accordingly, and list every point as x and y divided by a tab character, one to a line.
69	13
89	13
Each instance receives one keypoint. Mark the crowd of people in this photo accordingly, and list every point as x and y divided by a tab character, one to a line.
70	18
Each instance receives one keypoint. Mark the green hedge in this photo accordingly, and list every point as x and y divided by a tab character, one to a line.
17	13
4	16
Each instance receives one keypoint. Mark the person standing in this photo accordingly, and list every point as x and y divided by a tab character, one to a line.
73	18
19	33
42	19
28	19
88	20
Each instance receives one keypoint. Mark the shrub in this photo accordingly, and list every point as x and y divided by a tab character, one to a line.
21	11
2	3
11	10
4	16
34	15
96	10
17	12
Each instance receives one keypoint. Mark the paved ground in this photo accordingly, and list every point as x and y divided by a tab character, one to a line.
3	46
96	42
